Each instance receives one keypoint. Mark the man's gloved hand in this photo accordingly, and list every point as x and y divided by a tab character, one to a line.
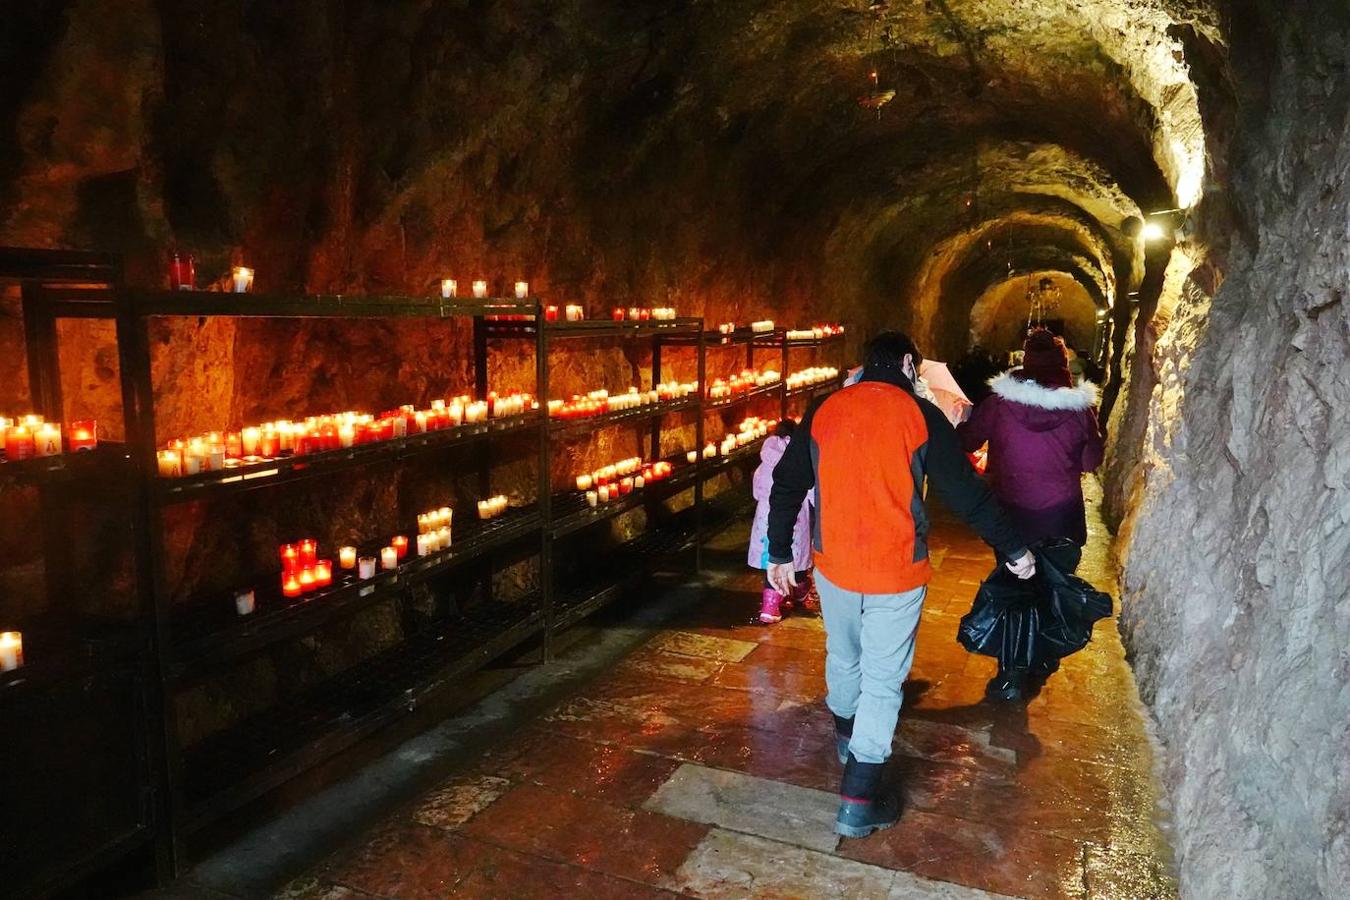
1024	566
783	578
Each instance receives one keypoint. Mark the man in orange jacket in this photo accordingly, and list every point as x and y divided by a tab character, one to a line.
865	451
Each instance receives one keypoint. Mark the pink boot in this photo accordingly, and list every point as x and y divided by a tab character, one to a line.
770	609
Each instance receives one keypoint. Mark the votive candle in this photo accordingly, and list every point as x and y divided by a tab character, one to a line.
592	498
83	435
400	544
347	557
170	463
307	580
323	573
11	650
522	290
365	567
290	585
242	277
480	289
19	443
309	552
389	558
245	601
692	456
449	287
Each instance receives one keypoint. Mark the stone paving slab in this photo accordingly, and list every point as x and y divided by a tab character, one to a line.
751	805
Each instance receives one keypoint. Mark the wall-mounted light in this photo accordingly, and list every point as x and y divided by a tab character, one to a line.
1153	232
1163	224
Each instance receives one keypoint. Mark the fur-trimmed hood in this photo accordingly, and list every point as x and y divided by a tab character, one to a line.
1028	393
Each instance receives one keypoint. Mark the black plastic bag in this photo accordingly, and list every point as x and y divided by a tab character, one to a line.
1048	616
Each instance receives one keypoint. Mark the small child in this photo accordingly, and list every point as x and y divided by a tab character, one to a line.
774	603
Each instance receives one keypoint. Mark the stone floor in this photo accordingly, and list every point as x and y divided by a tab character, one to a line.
703	764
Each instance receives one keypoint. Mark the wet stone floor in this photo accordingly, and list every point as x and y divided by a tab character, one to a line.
704	765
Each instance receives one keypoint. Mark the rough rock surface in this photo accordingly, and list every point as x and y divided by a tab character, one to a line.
1238	571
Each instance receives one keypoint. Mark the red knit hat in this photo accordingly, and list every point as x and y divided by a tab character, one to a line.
1045	361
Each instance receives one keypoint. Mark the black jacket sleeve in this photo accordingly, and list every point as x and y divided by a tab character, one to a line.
962	490
793	477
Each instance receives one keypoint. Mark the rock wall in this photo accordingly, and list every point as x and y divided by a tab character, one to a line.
1237	577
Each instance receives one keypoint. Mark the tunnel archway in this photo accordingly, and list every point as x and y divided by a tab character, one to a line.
1000	317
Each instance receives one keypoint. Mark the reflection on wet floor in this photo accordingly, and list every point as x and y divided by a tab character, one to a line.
704	764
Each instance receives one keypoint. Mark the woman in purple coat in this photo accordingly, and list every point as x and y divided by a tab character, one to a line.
1043	435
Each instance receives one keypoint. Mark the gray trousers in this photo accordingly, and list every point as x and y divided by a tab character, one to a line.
869	647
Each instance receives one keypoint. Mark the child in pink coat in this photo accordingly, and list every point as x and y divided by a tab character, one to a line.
774	603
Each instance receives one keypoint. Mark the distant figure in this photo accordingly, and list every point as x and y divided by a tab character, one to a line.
773	603
974	370
1042	434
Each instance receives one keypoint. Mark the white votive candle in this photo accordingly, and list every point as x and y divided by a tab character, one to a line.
443	537
244	602
242	279
593	497
484	510
583	482
11	650
480	289
347	557
389	558
522	290
449	287
691	456
47	439
365	566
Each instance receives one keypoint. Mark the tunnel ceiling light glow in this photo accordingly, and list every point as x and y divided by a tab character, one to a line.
1153	232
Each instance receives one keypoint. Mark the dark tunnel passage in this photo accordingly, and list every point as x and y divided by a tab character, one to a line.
1164	178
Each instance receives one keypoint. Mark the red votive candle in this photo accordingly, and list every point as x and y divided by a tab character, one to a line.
270	444
19	443
83	435
323	573
182	272
309	552
290	558
550	314
307	580
400	545
290	585
617	313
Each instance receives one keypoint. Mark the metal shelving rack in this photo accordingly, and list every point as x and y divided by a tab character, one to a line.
88	681
189	788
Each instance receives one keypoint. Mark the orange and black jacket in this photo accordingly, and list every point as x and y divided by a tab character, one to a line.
865	451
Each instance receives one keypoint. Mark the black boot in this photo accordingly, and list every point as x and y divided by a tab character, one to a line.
843	733
865	805
1008	684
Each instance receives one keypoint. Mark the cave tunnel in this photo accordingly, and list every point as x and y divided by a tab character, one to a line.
222	223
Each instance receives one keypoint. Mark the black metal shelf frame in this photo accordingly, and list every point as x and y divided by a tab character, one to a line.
196	785
74	657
